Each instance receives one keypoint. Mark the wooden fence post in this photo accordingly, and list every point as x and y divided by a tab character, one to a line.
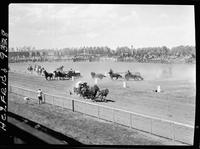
73	105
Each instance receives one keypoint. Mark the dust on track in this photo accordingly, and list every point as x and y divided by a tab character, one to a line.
173	104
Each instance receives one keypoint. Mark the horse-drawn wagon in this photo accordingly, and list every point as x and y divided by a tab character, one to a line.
94	93
61	74
73	73
126	75
136	76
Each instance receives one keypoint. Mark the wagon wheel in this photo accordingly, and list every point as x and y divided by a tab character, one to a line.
140	78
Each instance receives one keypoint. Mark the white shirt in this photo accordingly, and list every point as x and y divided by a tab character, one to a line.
39	93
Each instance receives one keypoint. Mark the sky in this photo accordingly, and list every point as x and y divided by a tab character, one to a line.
112	25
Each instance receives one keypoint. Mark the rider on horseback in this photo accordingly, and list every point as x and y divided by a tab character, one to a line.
129	72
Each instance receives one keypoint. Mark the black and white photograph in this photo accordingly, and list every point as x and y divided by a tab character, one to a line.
101	74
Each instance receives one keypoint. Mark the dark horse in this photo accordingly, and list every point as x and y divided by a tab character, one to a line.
135	76
103	94
97	75
87	92
30	68
114	75
78	89
59	75
91	92
48	75
56	75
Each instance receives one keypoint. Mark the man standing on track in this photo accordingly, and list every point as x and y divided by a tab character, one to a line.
40	95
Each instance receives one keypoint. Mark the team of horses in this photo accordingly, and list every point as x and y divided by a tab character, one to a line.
82	88
97	75
94	93
61	75
57	74
115	76
135	76
36	68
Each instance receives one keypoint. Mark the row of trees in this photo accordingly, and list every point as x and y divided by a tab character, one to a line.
123	53
126	51
157	51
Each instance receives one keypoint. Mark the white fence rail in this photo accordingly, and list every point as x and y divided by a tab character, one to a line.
161	127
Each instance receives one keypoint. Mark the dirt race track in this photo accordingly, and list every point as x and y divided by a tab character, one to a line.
176	102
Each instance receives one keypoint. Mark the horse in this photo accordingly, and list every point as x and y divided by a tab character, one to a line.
103	94
135	76
62	75
30	68
98	75
85	91
48	75
56	75
114	75
80	88
92	92
72	73
59	75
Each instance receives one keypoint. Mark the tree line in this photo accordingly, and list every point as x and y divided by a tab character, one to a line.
121	53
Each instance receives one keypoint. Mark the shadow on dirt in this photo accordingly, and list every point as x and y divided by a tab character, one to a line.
105	100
